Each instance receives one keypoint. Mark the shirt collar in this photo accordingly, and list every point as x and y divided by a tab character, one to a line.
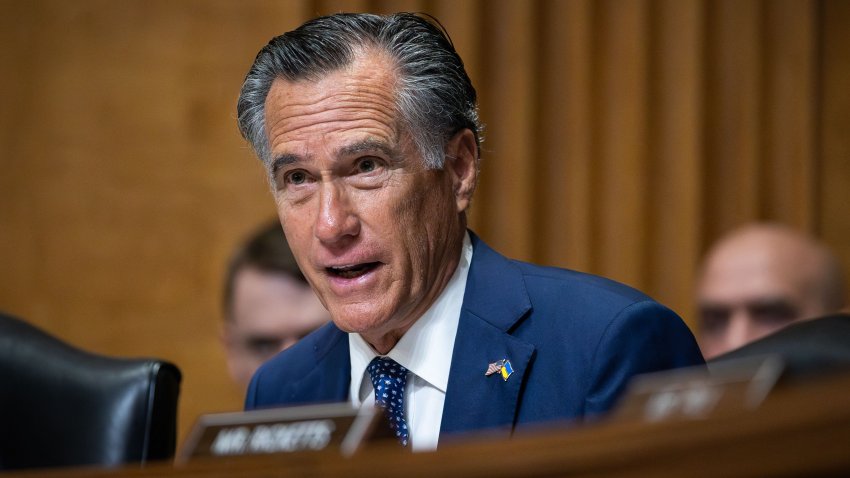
426	348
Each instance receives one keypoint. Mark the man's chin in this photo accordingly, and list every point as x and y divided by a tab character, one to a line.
357	323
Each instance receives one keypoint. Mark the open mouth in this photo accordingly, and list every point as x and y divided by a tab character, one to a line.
353	271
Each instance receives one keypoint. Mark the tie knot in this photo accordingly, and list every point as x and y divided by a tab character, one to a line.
385	367
388	379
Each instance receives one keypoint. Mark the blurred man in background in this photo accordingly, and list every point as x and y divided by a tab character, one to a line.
760	278
268	305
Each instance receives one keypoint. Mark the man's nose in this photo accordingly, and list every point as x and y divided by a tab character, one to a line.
741	330
336	221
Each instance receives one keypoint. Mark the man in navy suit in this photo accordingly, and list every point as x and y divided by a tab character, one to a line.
368	127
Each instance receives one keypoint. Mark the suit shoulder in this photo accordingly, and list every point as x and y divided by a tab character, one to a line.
580	304
576	285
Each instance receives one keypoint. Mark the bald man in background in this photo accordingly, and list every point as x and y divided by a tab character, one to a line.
760	278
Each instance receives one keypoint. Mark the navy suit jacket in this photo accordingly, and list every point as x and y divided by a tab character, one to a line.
573	339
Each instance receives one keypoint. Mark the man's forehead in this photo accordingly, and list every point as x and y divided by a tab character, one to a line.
287	101
363	98
367	69
745	285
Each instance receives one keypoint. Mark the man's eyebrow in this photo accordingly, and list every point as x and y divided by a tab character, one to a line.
368	145
353	149
713	306
283	160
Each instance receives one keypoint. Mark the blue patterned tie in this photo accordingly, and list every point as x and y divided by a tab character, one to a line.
389	378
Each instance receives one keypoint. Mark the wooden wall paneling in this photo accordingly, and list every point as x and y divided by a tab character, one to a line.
789	113
675	139
328	7
393	6
620	142
732	105
19	89
564	192
510	160
833	188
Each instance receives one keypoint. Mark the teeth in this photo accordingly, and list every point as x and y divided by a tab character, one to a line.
350	272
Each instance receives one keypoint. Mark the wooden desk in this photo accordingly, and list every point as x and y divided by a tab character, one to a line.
802	431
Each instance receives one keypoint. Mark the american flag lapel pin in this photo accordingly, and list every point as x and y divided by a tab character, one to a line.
503	367
494	367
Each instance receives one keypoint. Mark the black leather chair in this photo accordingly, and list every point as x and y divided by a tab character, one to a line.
61	406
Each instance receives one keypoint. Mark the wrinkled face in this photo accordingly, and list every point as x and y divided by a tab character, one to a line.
748	293
376	233
270	312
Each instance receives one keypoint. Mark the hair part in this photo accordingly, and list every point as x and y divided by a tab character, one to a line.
435	98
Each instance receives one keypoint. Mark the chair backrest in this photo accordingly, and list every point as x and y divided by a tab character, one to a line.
62	406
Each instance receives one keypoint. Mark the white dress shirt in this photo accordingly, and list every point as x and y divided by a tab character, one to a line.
426	351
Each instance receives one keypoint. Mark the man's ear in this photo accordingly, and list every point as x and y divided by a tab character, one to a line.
462	166
225	336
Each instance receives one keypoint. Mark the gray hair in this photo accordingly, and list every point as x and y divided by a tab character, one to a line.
434	96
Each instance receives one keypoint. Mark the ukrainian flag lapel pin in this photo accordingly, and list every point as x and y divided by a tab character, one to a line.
502	366
507	370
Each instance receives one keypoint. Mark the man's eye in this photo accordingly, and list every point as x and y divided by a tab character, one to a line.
367	165
774	314
713	319
296	177
264	347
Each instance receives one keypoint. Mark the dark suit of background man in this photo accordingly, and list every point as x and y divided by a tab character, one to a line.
369	129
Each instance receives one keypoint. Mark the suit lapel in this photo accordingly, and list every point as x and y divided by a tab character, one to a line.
494	301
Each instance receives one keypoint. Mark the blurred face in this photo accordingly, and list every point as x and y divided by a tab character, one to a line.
376	233
747	293
270	313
